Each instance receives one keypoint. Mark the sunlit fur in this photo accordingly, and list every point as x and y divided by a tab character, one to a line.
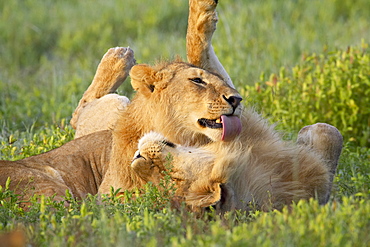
258	169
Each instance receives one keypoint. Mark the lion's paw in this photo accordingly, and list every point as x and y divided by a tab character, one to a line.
112	70
120	59
201	25
204	5
150	158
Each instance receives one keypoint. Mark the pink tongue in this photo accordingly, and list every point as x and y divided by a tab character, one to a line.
231	127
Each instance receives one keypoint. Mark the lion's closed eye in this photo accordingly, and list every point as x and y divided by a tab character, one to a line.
177	180
198	80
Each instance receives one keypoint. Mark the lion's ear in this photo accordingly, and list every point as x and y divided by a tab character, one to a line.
143	78
203	193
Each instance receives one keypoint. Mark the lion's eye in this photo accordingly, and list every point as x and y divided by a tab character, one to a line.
197	80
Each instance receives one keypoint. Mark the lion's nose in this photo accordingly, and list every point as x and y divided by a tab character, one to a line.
233	100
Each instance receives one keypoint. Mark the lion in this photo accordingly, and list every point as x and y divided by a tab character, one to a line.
225	154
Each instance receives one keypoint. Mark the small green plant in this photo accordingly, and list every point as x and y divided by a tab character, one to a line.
19	145
9	205
353	174
333	88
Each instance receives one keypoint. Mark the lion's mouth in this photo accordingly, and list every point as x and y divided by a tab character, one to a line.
209	123
231	126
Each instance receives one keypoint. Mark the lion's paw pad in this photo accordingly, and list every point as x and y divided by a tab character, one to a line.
120	54
151	149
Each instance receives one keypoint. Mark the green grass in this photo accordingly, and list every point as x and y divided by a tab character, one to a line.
50	49
332	87
286	49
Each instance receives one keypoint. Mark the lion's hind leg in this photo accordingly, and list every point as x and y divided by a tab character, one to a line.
326	141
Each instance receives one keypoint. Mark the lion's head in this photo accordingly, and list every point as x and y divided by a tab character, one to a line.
187	103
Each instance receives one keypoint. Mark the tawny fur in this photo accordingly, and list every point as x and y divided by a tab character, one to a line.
78	166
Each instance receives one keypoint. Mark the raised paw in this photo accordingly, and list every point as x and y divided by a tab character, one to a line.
203	14
113	69
202	22
120	59
203	5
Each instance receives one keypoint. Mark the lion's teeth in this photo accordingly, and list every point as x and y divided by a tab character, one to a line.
218	120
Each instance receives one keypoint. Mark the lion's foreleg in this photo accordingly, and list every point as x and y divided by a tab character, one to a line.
201	26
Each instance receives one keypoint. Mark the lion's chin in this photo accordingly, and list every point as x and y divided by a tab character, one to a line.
214	134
